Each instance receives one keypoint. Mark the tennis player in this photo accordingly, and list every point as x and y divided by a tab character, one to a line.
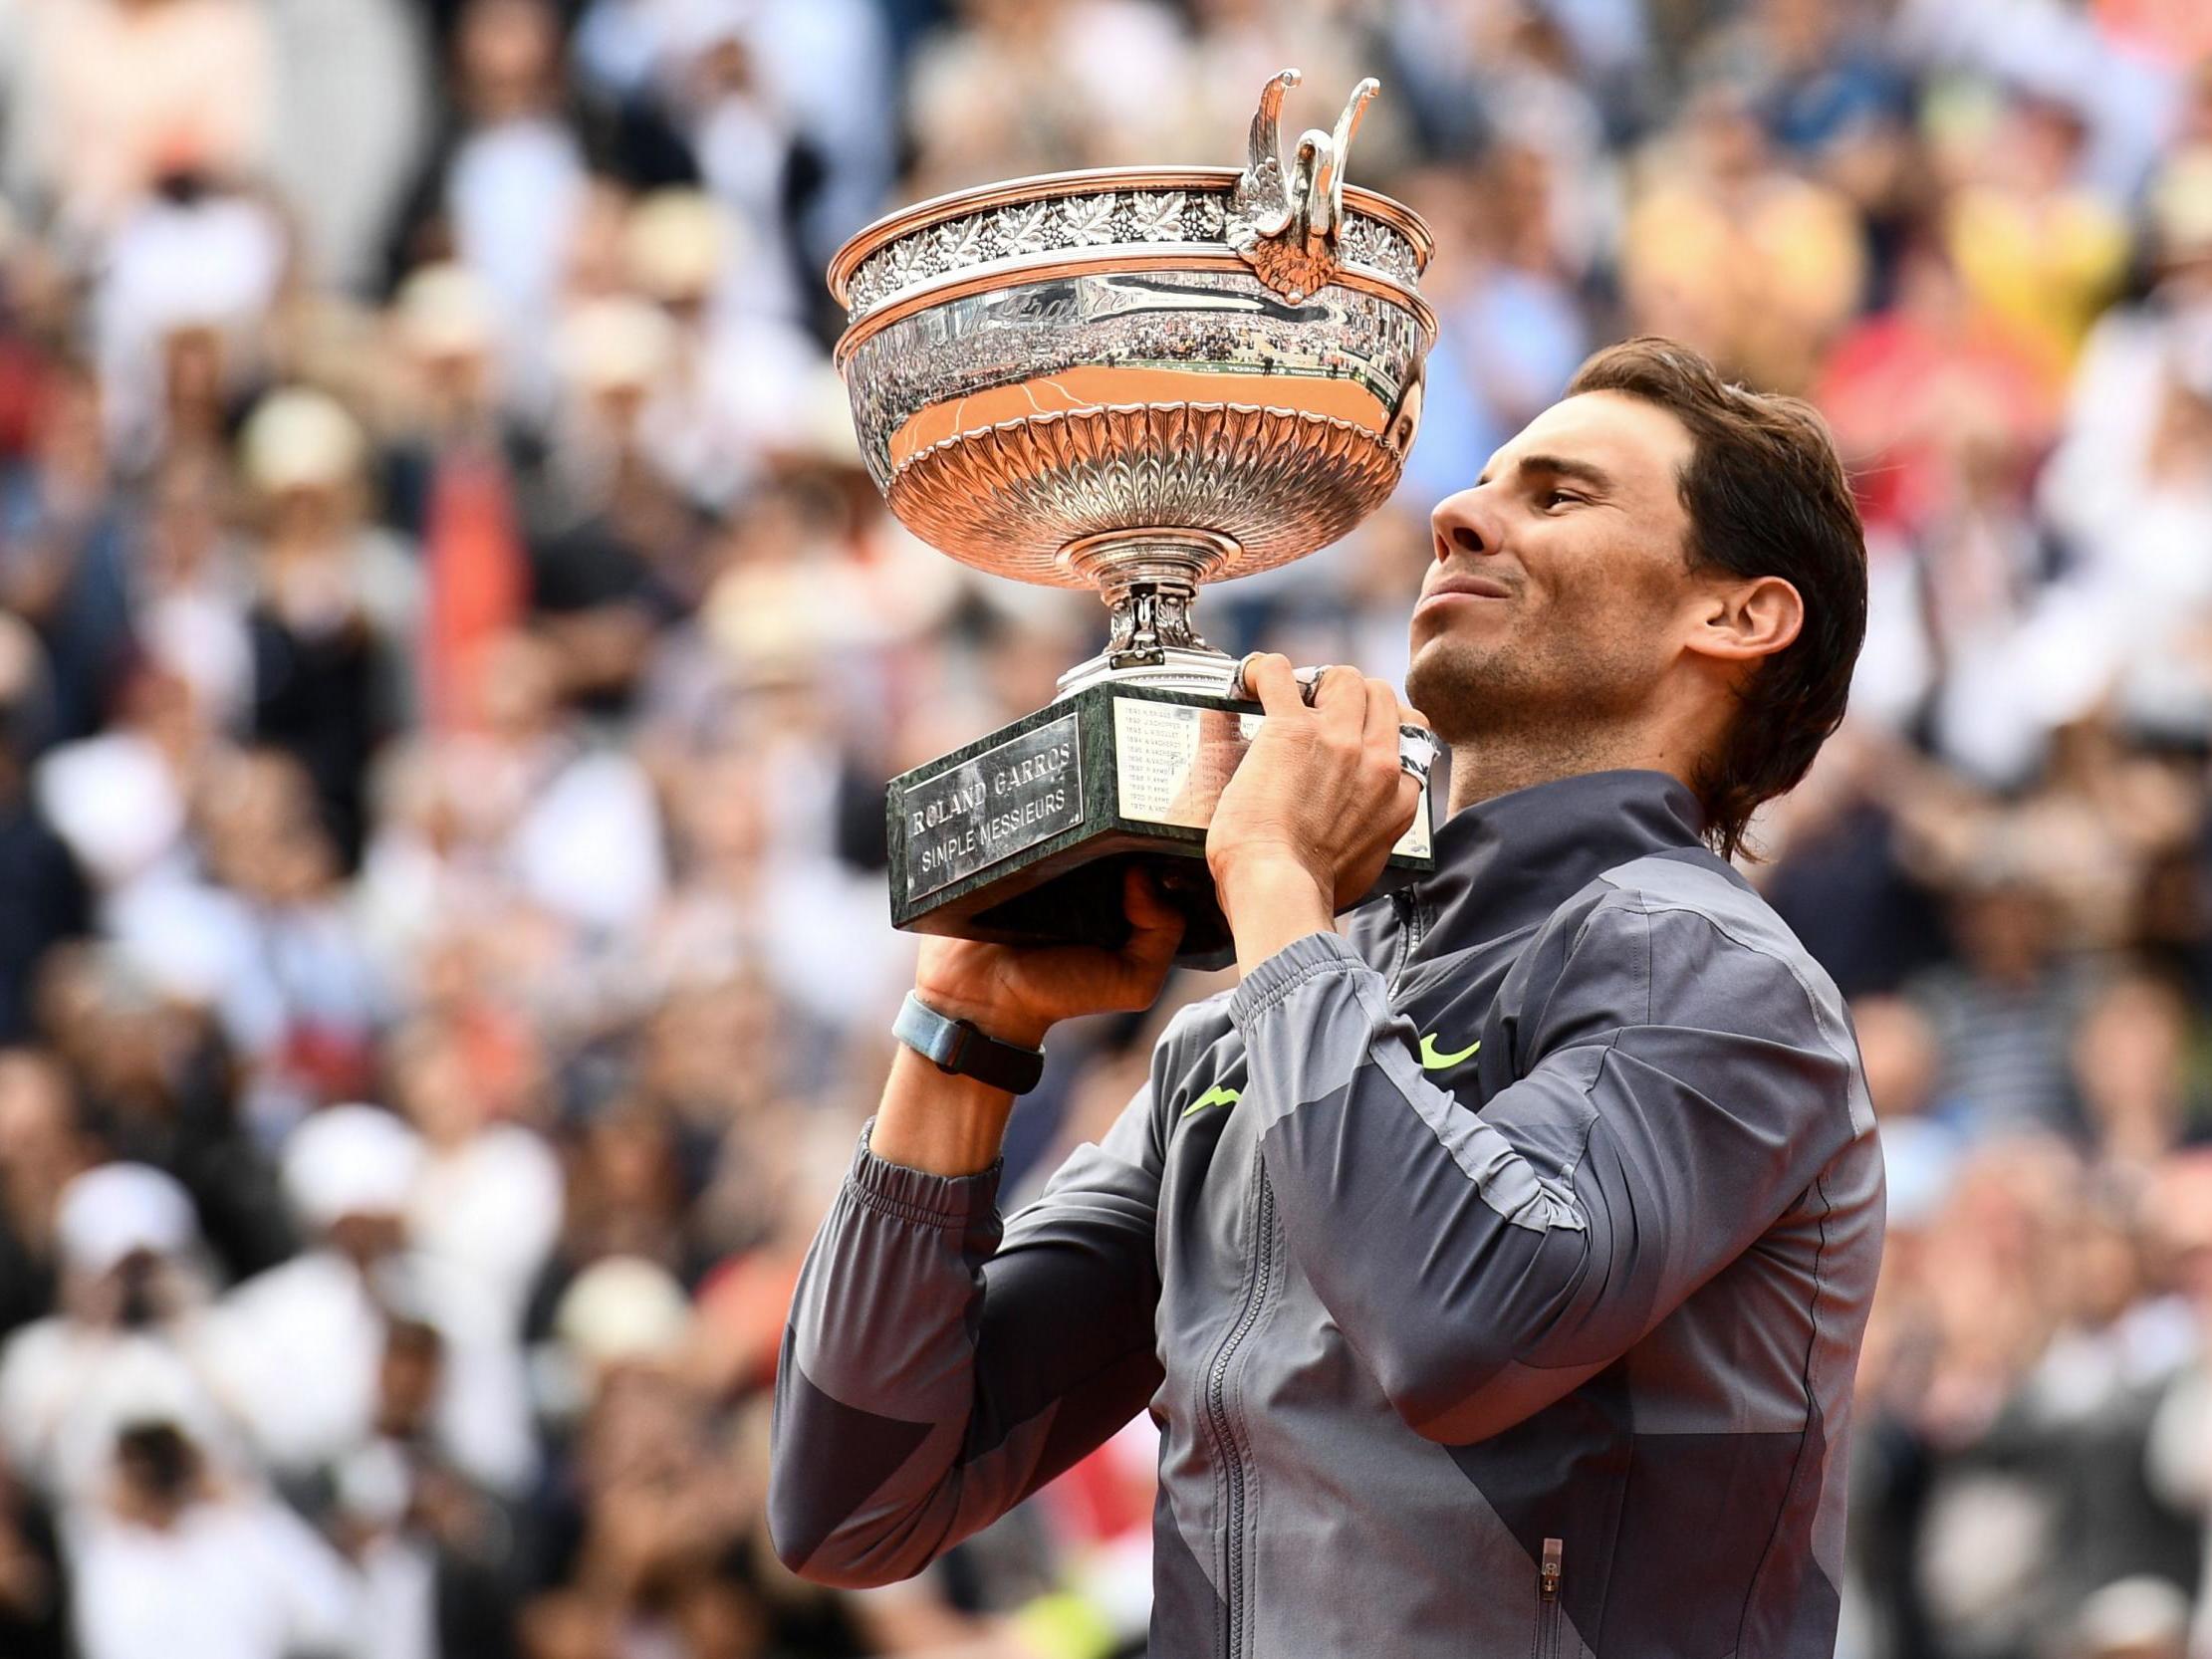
1495	1262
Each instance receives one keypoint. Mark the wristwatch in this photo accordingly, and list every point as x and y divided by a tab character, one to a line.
958	1047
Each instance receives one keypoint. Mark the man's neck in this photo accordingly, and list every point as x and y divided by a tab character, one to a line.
1494	765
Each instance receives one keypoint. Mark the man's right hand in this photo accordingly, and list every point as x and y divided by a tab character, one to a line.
1016	993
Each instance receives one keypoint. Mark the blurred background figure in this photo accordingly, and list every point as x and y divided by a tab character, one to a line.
299	1347
450	656
134	1298
172	1556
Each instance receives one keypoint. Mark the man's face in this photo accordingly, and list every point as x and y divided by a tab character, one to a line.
1560	581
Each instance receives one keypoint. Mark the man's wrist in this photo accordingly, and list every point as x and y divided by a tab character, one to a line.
963	1049
1271	900
994	1018
936	1123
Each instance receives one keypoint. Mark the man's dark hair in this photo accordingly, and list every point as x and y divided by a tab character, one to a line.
1766	496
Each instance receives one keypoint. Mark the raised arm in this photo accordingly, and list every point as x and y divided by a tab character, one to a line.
934	1375
934	1372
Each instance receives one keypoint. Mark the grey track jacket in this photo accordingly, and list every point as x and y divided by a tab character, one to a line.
1495	1274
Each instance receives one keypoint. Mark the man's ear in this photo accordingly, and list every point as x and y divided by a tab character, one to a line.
1743	621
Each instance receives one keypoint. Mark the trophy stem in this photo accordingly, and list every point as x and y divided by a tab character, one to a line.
1149	582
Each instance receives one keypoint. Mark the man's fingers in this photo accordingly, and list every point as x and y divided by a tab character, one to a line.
1145	905
1382	724
1155	930
1411	792
1339	697
1268	677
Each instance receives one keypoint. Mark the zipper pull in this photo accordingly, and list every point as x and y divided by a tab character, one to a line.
1548	1576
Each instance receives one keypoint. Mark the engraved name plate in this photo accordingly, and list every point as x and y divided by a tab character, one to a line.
992	805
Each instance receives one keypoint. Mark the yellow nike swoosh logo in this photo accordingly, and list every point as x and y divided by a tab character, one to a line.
1214	1096
1431	1061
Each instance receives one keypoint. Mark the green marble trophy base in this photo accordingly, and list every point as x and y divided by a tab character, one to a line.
1022	837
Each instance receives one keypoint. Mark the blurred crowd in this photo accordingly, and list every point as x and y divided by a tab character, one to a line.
450	656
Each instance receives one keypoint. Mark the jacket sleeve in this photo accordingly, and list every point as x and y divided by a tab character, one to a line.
1484	1264
933	1375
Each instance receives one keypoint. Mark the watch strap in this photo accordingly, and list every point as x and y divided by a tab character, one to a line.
959	1047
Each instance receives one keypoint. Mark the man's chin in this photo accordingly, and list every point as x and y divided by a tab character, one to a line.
1456	685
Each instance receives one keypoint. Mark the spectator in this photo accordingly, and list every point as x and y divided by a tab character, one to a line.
43	898
504	189
64	569
298	1347
487	1203
436	1555
2005	1013
173	1560
133	1300
1731	251
41	1149
334	605
34	1621
120	93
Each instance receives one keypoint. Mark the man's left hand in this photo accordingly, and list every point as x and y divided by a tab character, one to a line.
1308	821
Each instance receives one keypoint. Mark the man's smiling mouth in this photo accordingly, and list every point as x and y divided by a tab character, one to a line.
1472	587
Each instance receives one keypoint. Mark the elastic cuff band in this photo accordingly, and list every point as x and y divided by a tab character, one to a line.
953	1201
1287	969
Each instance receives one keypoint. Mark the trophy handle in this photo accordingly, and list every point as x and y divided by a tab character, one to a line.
1340	148
1263	204
1285	228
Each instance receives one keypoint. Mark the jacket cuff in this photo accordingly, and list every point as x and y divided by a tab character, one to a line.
951	1201
1287	969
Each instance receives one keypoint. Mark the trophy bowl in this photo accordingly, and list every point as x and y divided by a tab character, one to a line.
1138	380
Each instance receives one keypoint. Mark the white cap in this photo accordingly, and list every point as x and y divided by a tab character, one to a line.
301	439
817	423
118	1209
2142	1614
676	244
350	1161
216	264
624	1308
616	345
445	311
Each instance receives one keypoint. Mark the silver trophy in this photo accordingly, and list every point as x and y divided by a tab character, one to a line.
1136	380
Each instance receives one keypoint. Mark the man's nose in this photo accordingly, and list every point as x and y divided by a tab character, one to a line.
1463	524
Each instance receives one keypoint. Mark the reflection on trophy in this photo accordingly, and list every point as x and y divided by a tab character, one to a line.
1138	380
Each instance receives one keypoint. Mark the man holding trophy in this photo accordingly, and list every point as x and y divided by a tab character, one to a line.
1495	1261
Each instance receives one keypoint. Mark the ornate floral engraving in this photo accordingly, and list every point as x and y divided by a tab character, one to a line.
1088	221
1356	243
1157	219
1026	227
1134	218
964	242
